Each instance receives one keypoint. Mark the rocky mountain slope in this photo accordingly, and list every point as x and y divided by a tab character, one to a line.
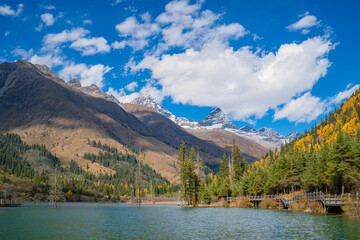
43	109
217	119
92	90
172	134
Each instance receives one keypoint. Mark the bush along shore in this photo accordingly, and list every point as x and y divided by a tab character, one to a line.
317	202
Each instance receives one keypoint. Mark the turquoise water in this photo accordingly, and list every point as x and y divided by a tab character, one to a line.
121	221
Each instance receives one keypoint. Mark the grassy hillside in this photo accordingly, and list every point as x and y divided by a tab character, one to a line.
25	171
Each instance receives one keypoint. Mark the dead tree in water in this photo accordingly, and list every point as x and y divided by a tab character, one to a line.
56	190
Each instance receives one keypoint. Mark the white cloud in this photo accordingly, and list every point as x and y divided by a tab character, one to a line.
51	59
117	2
87	22
303	109
87	75
23	53
91	46
6	10
118	45
87	46
304	24
121	95
49	7
39	28
55	39
307	108
138	33
6	34
181	25
131	86
341	96
48	19
243	83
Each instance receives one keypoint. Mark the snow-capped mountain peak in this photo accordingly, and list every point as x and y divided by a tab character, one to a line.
248	129
147	100
267	137
217	119
292	136
269	132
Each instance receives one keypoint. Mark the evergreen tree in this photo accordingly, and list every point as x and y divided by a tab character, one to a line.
236	164
190	181
342	169
224	168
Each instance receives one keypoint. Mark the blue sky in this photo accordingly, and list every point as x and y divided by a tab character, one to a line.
280	64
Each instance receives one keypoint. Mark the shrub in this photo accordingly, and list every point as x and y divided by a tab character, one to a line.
307	206
242	203
351	209
269	204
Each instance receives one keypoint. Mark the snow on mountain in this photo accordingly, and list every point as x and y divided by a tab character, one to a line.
292	136
147	100
267	137
269	132
217	119
248	129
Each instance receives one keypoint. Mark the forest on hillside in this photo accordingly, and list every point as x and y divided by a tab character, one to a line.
26	172
325	158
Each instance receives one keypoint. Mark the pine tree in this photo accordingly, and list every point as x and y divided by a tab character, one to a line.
182	168
190	181
342	169
224	168
236	165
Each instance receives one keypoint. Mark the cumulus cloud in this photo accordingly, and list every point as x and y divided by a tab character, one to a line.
304	24
55	39
26	54
303	109
91	46
48	19
180	25
131	86
79	42
122	96
87	75
307	108
6	10
50	59
242	82
118	45
341	96
137	34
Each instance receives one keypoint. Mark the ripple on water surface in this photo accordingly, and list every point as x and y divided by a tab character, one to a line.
122	221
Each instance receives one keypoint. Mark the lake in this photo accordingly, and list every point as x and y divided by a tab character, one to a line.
122	221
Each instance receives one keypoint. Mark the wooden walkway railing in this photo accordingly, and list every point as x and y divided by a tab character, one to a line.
327	200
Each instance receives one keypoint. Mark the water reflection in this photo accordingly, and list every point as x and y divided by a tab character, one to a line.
122	221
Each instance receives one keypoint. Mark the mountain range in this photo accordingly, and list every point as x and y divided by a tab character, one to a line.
40	107
217	119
